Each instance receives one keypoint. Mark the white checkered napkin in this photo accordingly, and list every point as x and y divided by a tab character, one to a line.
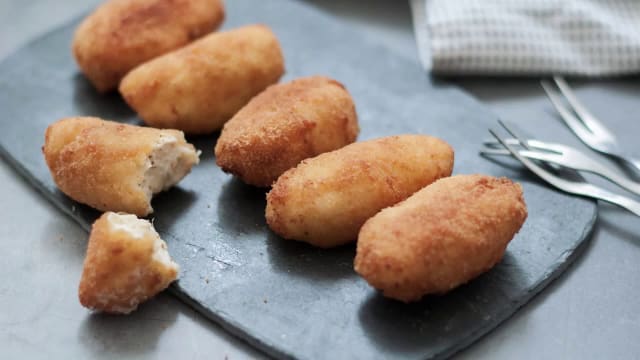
529	37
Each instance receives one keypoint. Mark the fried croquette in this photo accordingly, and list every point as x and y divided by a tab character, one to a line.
325	200
198	88
284	125
115	167
441	237
122	34
127	263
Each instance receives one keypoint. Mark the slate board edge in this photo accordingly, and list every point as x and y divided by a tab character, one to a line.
242	333
230	326
40	188
270	349
564	263
227	324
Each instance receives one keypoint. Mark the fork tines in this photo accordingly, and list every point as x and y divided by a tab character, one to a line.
573	184
584	124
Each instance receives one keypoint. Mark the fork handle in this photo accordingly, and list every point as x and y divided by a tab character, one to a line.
634	163
585	164
622	201
599	169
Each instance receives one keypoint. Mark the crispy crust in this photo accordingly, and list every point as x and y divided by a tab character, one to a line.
284	125
199	87
441	237
120	271
122	34
102	163
325	200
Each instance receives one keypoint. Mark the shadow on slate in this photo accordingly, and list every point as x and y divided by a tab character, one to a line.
289	299
87	101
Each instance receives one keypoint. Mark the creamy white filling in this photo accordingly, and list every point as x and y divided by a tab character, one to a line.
138	229
130	224
167	164
161	254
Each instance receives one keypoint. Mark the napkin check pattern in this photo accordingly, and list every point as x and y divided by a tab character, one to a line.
520	37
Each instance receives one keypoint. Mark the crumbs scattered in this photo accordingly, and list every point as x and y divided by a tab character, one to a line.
206	280
264	301
60	238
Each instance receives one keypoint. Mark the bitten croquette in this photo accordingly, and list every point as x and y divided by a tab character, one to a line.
115	167
126	263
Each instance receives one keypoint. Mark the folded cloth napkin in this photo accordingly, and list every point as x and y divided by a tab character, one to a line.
529	37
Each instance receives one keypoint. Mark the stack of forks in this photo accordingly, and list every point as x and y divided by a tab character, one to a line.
559	165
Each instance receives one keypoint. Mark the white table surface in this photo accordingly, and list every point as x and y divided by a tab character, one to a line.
591	312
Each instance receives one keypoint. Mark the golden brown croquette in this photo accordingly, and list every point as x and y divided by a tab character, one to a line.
325	200
441	237
284	125
122	34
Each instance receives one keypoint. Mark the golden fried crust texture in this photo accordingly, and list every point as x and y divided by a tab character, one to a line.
325	200
441	237
284	125
199	87
124	266
106	165
122	34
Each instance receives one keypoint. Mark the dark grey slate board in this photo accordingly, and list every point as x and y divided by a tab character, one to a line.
286	298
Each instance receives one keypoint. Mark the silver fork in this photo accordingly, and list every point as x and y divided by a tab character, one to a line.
576	186
565	156
585	125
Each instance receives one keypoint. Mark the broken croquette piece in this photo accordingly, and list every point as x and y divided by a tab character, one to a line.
126	264
115	167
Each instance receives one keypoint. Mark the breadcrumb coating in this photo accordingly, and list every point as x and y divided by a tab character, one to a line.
325	200
115	167
122	34
284	125
198	88
126	264
441	237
